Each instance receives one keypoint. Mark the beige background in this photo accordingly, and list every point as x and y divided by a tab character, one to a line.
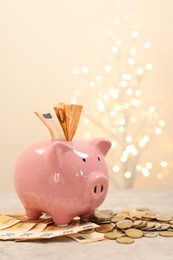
42	41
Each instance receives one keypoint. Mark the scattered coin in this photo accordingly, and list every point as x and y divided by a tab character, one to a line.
125	240
128	224
125	224
134	233
164	218
87	231
114	235
104	228
150	234
166	233
143	209
117	218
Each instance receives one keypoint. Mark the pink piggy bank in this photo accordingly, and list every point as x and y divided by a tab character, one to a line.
62	178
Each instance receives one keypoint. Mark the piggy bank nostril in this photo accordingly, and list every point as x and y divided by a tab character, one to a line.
102	188
95	189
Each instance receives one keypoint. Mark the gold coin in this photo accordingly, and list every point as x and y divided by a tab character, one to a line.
149	226
128	210
101	216
124	224
137	223
143	224
148	216
104	228
166	233
134	233
171	222
114	235
106	211
135	215
87	231
164	218
125	240
143	209
117	218
150	234
164	226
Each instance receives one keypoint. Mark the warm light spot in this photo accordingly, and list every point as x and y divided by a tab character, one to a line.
85	70
127	175
164	164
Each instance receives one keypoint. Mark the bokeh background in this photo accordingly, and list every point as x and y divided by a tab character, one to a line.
42	41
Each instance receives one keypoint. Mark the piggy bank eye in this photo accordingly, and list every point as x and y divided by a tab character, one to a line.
98	158
84	160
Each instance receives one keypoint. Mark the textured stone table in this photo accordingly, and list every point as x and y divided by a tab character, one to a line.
62	248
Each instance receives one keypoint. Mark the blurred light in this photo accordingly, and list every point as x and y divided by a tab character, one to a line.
133	52
123	83
129	91
131	61
75	71
114	144
129	139
140	71
164	164
147	45
114	92
122	121
151	109
92	84
159	175
115	49
162	123
116	168
98	78
108	68
139	167
118	43
85	70
149	165
135	34
73	100
109	32
145	172
149	66
121	129
127	175
106	97
158	131
138	92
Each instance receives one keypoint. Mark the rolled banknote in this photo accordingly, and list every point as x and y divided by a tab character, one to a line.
68	116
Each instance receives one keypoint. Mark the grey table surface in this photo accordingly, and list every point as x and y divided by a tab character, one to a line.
64	248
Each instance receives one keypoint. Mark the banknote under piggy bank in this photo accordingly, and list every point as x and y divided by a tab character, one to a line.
62	178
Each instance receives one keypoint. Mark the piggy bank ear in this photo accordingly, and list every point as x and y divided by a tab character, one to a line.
54	154
103	145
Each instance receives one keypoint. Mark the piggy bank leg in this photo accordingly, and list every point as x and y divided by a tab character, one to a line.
61	219
33	214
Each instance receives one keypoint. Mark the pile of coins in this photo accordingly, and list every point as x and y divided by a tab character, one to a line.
130	224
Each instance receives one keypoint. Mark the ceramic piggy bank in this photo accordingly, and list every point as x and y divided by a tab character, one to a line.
62	178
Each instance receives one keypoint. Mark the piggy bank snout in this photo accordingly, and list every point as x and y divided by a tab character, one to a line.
97	184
